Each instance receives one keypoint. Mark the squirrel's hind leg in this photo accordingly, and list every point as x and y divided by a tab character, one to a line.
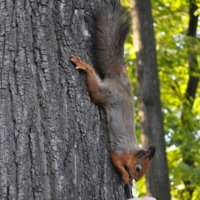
98	89
80	65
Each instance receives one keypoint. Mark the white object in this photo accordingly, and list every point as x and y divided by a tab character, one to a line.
143	198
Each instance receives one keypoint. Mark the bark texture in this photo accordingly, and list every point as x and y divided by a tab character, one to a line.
149	99
54	141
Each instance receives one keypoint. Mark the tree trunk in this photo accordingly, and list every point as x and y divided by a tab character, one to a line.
54	141
190	93
149	99
192	57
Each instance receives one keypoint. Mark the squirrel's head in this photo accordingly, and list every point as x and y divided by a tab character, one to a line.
139	164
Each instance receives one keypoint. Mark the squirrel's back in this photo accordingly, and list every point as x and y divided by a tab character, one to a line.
111	27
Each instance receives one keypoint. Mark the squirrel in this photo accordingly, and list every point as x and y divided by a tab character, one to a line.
109	86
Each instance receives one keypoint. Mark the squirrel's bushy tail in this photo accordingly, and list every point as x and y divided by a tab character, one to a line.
111	27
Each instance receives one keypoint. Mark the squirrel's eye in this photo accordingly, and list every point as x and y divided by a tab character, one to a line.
138	168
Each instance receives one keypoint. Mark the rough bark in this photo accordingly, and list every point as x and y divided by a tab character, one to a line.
149	99
53	140
190	91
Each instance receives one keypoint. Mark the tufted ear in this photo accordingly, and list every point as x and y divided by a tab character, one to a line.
150	152
144	154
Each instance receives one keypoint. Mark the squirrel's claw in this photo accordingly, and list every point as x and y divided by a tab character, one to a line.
76	61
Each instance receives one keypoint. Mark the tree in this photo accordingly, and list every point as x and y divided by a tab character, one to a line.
188	155
53	140
171	22
149	98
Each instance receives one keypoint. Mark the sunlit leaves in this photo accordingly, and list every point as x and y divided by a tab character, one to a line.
172	54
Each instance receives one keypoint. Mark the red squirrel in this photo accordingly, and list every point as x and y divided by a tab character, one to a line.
109	86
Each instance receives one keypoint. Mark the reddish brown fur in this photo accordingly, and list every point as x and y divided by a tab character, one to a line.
130	161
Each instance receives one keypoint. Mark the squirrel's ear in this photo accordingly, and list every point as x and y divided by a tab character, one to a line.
140	154
149	153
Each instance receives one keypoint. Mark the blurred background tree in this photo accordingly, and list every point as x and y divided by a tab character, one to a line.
177	34
152	131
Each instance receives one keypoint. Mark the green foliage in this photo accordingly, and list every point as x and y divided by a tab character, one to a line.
182	139
172	48
139	186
